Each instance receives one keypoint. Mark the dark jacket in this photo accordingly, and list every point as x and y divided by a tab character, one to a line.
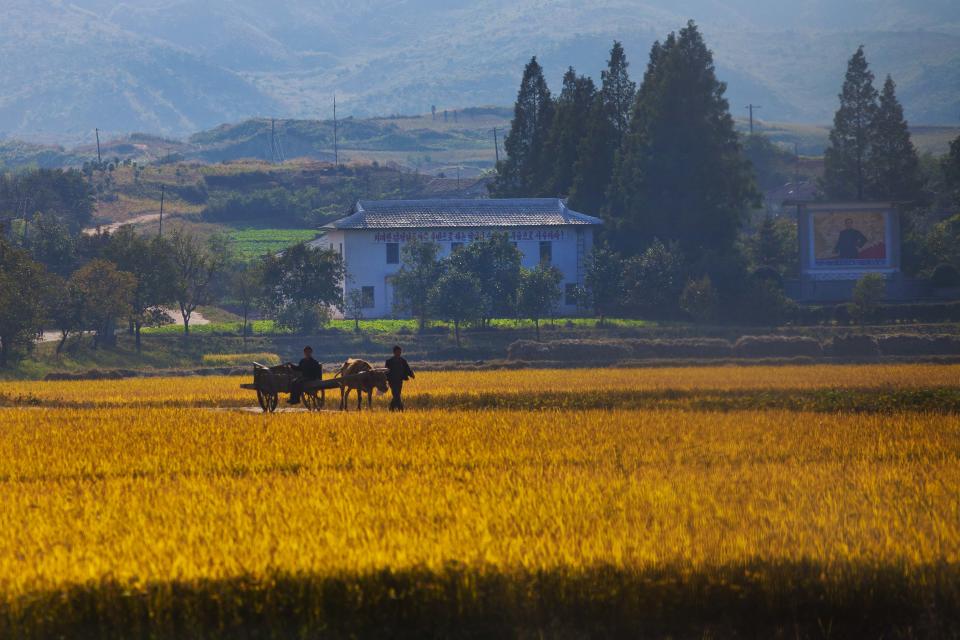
399	370
310	369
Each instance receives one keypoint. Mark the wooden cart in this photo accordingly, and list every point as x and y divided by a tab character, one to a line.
270	382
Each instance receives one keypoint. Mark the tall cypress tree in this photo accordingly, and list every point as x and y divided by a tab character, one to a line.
951	172
618	90
846	160
523	171
570	117
607	124
894	167
680	175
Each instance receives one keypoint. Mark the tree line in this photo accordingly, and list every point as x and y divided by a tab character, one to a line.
136	279
663	165
479	281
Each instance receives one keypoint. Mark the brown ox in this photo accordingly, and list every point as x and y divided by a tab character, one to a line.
363	378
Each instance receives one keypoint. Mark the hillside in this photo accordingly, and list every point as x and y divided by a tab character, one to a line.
420	144
175	67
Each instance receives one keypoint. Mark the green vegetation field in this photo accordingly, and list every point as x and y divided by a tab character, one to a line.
253	242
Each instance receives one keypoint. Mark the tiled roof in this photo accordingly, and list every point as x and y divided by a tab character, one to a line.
443	213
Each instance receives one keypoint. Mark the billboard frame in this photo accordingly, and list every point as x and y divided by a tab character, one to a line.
809	268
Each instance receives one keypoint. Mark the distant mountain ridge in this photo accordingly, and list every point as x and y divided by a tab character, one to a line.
173	67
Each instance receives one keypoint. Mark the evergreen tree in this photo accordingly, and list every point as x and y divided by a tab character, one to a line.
681	175
846	160
618	90
951	172
607	124
894	164
594	165
570	117
526	167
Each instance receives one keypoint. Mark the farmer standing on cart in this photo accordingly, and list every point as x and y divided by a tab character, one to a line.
309	369
398	371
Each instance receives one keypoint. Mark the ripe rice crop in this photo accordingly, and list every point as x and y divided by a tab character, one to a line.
126	515
240	359
549	388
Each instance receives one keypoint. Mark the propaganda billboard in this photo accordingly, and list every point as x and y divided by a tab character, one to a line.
850	239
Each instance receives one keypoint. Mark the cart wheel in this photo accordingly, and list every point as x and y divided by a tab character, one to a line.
267	401
310	402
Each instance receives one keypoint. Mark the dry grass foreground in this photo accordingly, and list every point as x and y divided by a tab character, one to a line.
146	521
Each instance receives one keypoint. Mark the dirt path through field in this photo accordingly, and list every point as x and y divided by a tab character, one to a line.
114	226
196	319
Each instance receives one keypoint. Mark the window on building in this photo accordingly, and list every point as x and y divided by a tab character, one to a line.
570	294
393	253
366	298
454	246
546	252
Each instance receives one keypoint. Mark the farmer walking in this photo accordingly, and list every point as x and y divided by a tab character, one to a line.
398	371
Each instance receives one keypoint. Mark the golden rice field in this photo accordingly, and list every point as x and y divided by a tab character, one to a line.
154	508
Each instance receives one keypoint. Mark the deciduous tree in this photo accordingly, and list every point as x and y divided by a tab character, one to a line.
301	284
457	298
495	263
22	282
604	282
197	264
412	283
539	293
104	294
150	260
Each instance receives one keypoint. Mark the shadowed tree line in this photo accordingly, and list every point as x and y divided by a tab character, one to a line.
677	186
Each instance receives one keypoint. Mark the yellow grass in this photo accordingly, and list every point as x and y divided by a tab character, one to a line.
186	522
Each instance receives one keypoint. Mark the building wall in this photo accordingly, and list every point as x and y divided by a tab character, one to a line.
365	255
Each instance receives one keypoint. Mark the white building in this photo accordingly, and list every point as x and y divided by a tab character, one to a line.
543	229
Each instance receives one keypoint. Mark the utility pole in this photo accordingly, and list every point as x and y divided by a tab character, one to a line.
162	193
99	159
751	107
796	165
496	145
336	146
273	140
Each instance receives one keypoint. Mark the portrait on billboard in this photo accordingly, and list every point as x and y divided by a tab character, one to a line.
845	239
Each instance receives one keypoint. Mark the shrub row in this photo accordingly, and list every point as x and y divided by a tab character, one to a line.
852	345
924	312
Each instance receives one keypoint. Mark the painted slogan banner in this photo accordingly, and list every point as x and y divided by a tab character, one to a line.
845	239
467	235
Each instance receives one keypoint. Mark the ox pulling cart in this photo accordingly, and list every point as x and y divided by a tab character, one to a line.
270	382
